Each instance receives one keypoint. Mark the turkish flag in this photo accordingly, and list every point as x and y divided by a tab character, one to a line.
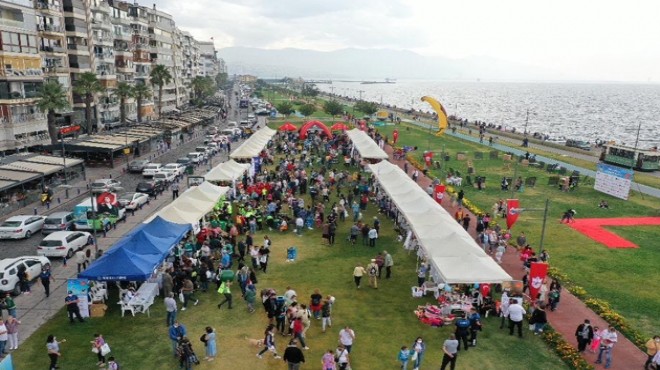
537	273
485	289
428	157
512	212
395	136
439	193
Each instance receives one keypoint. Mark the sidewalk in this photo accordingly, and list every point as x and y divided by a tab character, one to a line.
571	311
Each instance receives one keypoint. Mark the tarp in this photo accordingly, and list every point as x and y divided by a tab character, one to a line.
193	204
227	171
455	256
365	145
253	146
136	255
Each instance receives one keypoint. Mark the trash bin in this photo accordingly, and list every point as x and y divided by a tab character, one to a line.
227	275
190	170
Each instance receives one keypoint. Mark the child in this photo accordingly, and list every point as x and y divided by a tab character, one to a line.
112	365
595	342
404	356
500	252
328	360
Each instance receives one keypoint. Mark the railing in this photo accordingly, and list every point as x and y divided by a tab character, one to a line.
22	118
9	72
47	6
26	3
55	69
103	39
107	55
50	28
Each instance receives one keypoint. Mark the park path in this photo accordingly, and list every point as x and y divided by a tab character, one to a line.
571	311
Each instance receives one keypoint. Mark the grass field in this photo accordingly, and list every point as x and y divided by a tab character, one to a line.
383	319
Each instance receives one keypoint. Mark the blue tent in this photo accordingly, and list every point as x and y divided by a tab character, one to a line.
138	253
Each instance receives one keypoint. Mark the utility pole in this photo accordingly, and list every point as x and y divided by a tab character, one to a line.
526	121
545	219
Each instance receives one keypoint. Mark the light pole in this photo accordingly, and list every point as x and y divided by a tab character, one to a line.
63	158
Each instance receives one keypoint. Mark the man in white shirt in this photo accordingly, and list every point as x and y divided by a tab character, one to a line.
516	315
607	340
288	295
170	307
346	337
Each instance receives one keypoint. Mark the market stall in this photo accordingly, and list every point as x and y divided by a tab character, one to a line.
367	148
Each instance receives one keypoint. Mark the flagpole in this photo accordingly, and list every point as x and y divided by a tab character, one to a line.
545	218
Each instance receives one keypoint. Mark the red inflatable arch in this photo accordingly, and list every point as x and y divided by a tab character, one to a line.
310	124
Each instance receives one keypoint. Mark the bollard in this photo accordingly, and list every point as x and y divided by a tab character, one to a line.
66	193
59	201
35	211
110	176
78	191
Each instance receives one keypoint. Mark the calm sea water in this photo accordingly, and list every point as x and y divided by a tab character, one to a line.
578	111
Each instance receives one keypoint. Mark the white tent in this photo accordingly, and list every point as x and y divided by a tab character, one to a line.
365	145
254	144
227	171
454	255
193	204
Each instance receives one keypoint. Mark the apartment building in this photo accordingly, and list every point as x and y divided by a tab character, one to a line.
161	42
52	42
124	49
79	46
190	68
208	59
21	76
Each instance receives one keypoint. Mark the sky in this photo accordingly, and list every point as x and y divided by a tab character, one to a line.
588	39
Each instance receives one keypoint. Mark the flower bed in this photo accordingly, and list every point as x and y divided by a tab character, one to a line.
565	350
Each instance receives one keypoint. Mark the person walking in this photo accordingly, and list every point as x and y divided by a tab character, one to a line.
97	347
12	331
450	349
53	348
269	342
225	290
539	319
373	235
462	330
171	308
326	313
177	332
516	314
175	190
342	356
389	262
584	335
373	269
358	272
45	277
652	348
404	357
608	340
71	301
188	289
81	260
346	338
211	345
419	348
293	356
328	361
4	337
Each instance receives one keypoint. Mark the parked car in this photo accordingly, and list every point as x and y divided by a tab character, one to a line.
9	270
58	221
105	185
151	188
165	177
232	124
212	148
64	243
133	200
578	144
18	227
196	157
204	150
138	166
176	168
184	161
151	169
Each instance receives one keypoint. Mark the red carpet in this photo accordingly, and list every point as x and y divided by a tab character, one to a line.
593	228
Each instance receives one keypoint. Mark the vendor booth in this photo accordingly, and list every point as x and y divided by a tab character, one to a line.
367	148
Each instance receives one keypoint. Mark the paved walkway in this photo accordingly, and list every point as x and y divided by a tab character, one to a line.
571	311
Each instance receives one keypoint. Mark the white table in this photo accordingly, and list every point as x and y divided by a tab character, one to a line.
144	297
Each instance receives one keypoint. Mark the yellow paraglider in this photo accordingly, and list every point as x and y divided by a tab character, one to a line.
440	111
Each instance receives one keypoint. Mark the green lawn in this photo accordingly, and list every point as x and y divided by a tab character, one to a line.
383	319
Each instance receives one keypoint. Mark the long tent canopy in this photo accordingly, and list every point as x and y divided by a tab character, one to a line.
253	146
227	171
454	255
367	148
135	256
194	204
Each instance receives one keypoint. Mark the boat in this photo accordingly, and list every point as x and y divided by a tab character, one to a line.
387	81
559	140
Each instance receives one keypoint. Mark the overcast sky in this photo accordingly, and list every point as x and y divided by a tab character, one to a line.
596	40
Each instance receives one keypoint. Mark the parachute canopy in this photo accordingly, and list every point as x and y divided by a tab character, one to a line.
440	111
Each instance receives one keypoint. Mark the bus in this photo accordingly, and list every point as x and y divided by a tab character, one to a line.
84	216
638	159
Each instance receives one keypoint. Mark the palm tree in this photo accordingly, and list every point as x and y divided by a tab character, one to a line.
198	85
123	92
87	85
140	92
52	97
160	76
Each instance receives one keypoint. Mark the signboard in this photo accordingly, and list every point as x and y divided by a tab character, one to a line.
195	180
612	180
79	287
69	129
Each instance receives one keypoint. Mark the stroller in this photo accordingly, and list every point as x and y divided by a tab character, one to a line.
187	356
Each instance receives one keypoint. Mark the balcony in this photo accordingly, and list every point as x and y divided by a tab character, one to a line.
11	23
55	69
22	118
106	57
78	47
50	28
123	36
74	29
103	7
44	5
10	73
102	24
104	40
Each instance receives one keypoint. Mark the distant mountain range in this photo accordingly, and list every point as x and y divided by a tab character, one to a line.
374	64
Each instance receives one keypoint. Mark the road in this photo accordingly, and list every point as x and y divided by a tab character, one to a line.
129	181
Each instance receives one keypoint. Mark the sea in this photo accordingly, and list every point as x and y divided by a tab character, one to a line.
580	111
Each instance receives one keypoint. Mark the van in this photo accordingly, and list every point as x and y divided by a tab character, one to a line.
83	210
196	157
58	221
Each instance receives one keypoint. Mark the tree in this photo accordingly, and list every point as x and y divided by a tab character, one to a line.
333	108
285	108
124	91
366	107
202	87
221	79
307	110
140	92
86	86
52	97
160	76
310	90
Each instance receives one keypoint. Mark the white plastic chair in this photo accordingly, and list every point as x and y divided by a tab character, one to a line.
126	307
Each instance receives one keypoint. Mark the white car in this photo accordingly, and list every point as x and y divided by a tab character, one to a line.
9	270
151	169
64	243
104	185
196	157
165	177
177	169
133	200
18	227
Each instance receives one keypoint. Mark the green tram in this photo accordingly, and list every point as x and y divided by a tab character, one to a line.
638	159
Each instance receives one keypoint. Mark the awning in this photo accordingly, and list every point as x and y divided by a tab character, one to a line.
365	145
194	204
19	176
41	168
6	184
227	171
253	146
70	162
455	256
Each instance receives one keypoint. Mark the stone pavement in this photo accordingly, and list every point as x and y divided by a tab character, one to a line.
571	311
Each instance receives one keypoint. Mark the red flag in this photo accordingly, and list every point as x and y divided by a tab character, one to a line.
428	157
537	273
439	193
395	136
512	211
485	289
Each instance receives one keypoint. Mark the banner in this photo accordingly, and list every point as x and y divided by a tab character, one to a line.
537	273
79	287
512	212
439	193
428	158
